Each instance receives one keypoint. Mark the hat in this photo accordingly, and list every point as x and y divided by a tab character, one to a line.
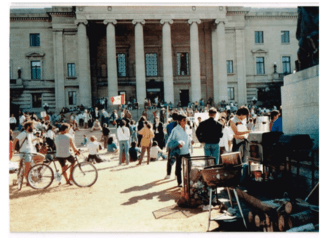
163	108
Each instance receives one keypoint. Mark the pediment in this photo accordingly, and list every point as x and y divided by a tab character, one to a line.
259	51
35	54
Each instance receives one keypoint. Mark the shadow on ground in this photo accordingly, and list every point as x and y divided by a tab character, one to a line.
14	193
176	212
146	186
163	196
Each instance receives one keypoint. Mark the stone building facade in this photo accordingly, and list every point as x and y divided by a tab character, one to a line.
68	56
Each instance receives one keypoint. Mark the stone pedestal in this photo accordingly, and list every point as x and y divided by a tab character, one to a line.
300	103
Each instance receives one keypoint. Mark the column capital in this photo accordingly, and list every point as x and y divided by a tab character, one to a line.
81	21
107	21
141	21
163	21
191	21
221	20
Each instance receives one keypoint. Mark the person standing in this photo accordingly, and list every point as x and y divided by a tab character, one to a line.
209	132
159	132
25	140
64	142
180	134
86	118
105	133
147	135
140	125
123	136
96	114
12	121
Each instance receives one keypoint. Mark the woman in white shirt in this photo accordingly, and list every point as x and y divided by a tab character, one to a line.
12	121
93	148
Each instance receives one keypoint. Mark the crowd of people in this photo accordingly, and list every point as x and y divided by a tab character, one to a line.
169	134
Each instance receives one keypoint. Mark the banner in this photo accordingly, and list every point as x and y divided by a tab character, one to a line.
118	100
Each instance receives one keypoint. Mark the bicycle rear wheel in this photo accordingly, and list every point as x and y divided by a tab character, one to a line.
20	175
40	176
84	174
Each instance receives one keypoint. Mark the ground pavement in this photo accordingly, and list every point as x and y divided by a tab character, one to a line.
125	198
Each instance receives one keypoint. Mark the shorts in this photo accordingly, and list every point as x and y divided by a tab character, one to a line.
27	157
63	160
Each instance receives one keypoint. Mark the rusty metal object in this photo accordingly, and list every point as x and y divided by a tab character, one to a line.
222	176
231	158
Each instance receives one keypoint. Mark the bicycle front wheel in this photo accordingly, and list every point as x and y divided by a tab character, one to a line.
40	176
84	174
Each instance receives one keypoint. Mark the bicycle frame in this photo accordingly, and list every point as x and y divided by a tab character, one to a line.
76	162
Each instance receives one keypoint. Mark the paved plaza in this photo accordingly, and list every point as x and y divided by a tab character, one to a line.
124	199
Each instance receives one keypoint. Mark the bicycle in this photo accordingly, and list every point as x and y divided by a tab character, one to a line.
41	176
21	169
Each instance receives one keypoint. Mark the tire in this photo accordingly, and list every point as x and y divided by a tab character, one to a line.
40	176
84	174
20	174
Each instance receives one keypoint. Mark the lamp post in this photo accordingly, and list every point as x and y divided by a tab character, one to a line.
275	66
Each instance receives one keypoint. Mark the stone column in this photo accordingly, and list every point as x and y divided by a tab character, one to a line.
241	74
84	65
221	60
59	70
215	66
139	61
194	59
111	59
167	61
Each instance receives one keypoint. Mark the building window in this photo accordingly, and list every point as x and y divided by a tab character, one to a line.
35	70
285	36
71	70
72	98
34	39
182	60
286	64
229	67
259	37
231	93
151	64
260	65
36	100
121	65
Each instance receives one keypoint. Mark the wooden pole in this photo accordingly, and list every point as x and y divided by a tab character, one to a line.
301	218
254	202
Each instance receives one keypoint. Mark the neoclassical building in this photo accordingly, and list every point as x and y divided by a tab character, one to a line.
68	56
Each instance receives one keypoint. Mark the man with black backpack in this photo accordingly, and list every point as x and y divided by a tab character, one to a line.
24	143
209	132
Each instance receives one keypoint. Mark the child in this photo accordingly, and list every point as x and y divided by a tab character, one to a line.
134	152
85	141
156	152
111	145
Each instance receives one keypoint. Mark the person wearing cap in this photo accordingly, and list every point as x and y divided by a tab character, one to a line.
209	132
180	134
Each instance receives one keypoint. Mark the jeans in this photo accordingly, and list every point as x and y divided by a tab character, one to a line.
212	150
123	145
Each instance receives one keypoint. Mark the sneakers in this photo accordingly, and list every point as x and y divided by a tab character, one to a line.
167	177
180	185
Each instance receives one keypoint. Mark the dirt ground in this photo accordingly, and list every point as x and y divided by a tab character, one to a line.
125	198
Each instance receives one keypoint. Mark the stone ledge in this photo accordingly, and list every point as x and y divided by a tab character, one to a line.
302	75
